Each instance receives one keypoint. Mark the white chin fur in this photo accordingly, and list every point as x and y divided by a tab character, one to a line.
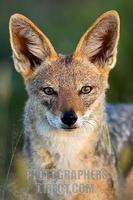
53	120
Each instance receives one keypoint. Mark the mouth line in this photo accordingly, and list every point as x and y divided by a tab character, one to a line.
69	128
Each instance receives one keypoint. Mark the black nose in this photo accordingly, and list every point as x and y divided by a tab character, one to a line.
69	118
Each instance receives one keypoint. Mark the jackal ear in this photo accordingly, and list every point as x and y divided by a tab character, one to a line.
30	46
99	44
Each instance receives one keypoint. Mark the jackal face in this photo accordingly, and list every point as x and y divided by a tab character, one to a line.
70	90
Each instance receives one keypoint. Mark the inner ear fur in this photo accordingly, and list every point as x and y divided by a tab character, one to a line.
99	43
30	46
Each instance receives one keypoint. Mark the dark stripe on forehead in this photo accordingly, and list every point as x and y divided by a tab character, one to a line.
66	59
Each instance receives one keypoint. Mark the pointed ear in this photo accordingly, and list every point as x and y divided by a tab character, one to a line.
99	44
30	46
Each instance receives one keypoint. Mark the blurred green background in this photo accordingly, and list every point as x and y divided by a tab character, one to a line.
64	21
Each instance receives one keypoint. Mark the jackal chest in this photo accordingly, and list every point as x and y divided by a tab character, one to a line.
70	168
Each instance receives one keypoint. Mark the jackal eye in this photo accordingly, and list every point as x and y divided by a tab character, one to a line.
85	90
49	91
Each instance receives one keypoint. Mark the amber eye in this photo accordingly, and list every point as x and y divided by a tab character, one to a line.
85	89
49	91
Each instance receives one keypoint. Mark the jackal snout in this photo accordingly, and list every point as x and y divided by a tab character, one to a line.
69	118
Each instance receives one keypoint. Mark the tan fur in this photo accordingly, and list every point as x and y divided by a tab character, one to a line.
129	186
48	145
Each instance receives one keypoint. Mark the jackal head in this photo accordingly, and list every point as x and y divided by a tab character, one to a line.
70	90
